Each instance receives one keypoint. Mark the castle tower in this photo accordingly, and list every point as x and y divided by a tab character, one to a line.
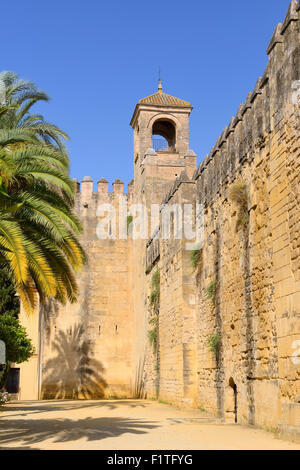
161	141
161	153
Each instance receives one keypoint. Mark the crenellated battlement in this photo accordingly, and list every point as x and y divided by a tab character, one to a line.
86	187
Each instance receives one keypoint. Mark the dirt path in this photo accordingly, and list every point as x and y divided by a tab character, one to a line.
123	424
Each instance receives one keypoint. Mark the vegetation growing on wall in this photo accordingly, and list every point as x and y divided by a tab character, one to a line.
152	334
238	194
210	292
129	221
154	301
213	343
155	291
195	258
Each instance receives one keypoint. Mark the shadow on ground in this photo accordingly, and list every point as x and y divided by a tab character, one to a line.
24	408
33	431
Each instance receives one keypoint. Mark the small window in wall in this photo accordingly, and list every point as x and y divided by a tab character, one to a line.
13	380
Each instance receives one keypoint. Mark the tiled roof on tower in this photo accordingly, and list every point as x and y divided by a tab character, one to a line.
163	99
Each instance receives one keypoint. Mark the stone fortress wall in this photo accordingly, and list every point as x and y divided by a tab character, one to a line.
87	346
255	272
244	292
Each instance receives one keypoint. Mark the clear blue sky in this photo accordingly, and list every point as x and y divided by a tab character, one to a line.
97	58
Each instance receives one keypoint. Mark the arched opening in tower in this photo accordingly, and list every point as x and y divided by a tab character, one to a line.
163	136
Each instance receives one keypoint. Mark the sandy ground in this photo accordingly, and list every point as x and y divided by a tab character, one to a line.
123	424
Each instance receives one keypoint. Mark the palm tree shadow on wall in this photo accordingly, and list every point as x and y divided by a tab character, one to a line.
73	373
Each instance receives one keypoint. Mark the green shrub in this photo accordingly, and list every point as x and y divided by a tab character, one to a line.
129	221
195	257
154	301
153	333
155	290
155	282
210	291
154	298
213	343
19	347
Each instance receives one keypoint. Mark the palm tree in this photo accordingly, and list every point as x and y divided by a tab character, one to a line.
18	96
38	230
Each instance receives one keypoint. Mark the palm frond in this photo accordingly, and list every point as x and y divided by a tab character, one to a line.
12	239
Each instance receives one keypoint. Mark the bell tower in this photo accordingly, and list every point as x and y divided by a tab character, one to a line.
160	124
161	142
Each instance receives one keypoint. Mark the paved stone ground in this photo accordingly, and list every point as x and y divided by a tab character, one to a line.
122	424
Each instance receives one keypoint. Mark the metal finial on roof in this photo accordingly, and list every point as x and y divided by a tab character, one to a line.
160	90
